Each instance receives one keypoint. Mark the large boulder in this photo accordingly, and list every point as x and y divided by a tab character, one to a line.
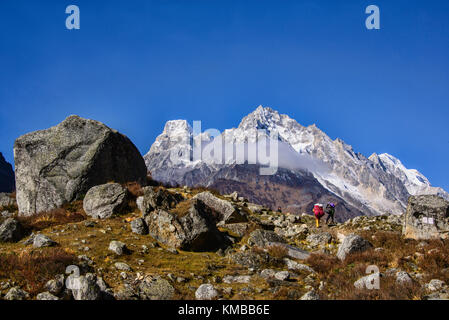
157	198
352	243
191	229
7	181
60	164
427	217
103	201
11	231
226	212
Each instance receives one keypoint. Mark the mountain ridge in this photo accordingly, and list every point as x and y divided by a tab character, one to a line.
378	184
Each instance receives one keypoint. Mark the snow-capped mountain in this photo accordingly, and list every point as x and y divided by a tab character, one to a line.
379	184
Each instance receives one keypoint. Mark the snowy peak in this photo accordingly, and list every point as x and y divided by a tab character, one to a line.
376	185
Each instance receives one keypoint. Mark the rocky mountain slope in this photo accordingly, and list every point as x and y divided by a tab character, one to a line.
379	184
7	180
182	243
139	240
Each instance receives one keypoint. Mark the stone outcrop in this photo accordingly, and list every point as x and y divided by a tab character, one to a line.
427	217
157	198
227	213
103	201
352	243
60	164
193	229
11	231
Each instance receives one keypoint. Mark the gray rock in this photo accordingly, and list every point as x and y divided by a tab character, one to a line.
250	259
352	243
237	279
267	273
427	217
292	251
122	266
319	239
193	230
55	286
311	295
16	294
11	231
295	266
5	199
435	285
139	226
117	247
155	288
206	292
86	288
403	277
225	211
282	275
157	198
46	296
239	229
40	241
368	281
263	238
103	201
60	164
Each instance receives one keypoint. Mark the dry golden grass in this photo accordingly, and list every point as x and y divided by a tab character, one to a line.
35	267
54	217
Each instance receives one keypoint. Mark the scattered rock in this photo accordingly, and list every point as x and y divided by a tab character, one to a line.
86	287
263	238
435	285
16	294
206	292
139	226
122	266
403	277
237	279
195	230
55	286
155	288
46	296
117	247
319	239
157	198
352	243
282	275
40	241
11	231
267	273
103	201
368	282
224	210
293	265
311	295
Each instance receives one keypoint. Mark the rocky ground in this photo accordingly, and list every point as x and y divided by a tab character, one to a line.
130	242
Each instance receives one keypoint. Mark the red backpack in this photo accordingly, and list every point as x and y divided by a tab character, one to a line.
318	210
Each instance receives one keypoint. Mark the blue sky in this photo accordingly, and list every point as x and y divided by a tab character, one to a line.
136	64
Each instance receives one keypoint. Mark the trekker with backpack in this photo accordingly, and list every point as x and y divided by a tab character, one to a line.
319	212
330	210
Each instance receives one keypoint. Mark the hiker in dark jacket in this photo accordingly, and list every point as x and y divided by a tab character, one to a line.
330	210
